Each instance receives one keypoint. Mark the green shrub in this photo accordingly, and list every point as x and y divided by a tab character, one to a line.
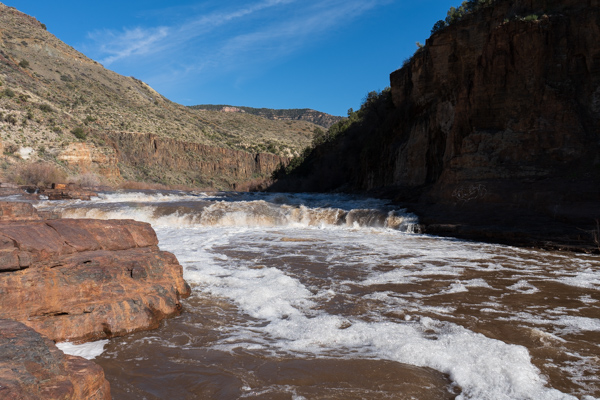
44	27
438	26
10	149
79	133
46	108
8	93
11	119
532	17
24	64
455	14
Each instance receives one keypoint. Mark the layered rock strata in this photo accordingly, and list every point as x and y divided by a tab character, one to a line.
492	130
32	368
80	280
192	163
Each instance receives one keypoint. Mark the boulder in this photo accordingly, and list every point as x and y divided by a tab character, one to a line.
82	279
17	211
32	367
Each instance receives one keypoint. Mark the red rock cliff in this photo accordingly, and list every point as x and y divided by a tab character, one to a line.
176	161
496	98
495	123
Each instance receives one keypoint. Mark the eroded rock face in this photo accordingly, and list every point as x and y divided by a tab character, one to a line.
83	280
17	211
495	98
194	163
87	157
492	128
32	368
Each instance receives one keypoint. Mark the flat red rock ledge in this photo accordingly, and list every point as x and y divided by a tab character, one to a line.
83	279
32	367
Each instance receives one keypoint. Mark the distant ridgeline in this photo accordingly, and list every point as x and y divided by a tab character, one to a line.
301	114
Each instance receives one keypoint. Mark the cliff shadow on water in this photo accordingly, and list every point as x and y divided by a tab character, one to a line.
491	131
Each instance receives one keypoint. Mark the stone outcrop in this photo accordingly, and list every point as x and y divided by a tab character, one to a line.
33	368
85	157
67	191
192	163
80	280
492	130
10	211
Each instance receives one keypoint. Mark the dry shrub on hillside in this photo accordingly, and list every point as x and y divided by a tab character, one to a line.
88	179
38	174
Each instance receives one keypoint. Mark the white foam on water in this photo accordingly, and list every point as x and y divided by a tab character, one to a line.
245	211
88	350
456	287
150	196
587	299
288	310
524	287
562	324
477	283
588	278
292	321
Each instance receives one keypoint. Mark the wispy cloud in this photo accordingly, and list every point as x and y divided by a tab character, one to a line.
129	43
230	37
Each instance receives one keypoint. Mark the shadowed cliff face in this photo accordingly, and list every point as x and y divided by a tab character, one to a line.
494	100
495	111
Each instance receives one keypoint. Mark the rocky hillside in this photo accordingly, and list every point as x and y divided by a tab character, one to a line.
60	106
492	129
296	114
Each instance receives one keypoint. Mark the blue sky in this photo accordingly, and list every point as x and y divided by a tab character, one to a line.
320	54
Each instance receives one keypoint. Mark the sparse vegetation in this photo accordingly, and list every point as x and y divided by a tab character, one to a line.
38	174
46	108
79	133
88	180
11	119
374	103
455	14
89	119
8	93
55	104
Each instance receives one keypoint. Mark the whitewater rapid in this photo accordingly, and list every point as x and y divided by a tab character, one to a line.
333	276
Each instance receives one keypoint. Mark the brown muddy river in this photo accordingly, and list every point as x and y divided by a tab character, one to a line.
332	297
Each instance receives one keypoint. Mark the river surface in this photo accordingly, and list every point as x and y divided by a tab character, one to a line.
299	296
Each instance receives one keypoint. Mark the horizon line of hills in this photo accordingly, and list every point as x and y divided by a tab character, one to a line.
61	108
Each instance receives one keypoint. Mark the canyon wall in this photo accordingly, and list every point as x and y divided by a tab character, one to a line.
493	124
179	162
498	98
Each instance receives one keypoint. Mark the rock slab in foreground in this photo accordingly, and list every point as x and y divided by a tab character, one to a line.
32	367
81	280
